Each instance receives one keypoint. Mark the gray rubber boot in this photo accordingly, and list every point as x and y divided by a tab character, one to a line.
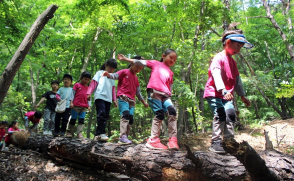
79	131
69	131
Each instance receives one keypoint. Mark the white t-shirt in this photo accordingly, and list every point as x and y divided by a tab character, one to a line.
104	88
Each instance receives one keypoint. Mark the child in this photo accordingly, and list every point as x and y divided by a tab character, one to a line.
3	126
34	117
63	93
223	79
104	95
159	91
127	87
49	112
13	127
79	104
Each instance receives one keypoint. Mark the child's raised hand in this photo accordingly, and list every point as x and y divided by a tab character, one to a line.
121	57
105	73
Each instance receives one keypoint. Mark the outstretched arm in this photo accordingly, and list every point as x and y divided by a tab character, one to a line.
139	62
114	76
41	101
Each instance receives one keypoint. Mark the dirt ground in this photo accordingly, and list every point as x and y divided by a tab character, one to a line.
27	165
281	130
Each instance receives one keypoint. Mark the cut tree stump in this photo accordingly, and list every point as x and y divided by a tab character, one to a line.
141	162
269	165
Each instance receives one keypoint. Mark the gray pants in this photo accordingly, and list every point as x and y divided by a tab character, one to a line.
223	119
49	120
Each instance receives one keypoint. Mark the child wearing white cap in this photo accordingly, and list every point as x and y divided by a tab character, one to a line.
223	79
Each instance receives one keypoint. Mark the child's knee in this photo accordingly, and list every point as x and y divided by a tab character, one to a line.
160	114
231	115
171	111
81	120
221	113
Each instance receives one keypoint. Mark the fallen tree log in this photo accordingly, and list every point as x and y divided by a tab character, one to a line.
139	161
269	165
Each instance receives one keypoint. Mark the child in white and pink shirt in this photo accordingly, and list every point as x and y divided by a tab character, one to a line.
159	91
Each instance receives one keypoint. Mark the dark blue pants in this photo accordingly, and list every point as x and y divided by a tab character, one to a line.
64	116
102	109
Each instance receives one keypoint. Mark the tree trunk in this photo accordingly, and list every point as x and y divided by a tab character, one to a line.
266	166
147	164
256	109
90	120
14	64
86	62
34	84
268	101
139	161
277	27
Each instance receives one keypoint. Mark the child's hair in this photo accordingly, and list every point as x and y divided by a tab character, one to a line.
230	32
3	123
137	57
86	74
167	51
12	124
54	82
38	115
110	62
68	76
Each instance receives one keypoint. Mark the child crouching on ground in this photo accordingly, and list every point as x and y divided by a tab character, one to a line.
13	127
34	117
128	86
79	105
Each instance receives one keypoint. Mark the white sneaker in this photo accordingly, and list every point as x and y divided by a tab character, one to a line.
45	132
101	137
49	132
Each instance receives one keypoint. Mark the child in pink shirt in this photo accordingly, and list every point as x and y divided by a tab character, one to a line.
159	91
13	127
128	86
34	117
79	105
223	79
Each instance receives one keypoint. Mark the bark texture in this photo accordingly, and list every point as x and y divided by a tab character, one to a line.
266	166
14	64
146	164
138	160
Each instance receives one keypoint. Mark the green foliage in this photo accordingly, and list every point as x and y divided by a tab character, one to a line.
286	90
147	28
